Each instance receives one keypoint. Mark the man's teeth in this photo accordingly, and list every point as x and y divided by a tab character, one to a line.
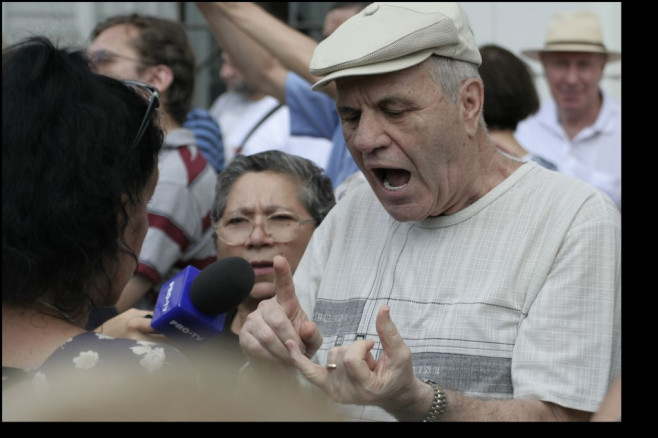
388	186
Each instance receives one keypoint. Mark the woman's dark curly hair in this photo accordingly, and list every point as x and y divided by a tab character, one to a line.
69	172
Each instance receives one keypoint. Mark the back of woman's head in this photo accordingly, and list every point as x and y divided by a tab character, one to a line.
67	159
509	89
315	188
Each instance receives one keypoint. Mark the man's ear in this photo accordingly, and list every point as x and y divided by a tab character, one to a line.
472	104
160	76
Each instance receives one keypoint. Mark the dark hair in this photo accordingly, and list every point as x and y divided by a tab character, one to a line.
67	160
315	188
162	41
509	89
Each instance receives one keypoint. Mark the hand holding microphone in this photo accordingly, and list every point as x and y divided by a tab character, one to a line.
192	305
131	324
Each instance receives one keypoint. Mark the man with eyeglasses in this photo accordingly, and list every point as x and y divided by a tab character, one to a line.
157	52
207	132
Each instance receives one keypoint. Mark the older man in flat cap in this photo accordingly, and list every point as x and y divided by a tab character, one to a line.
580	129
459	284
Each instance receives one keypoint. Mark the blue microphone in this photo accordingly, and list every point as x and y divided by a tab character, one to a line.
192	305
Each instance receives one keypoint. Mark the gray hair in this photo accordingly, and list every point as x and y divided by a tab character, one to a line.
450	73
315	188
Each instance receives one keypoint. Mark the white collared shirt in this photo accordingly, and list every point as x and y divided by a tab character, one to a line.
593	155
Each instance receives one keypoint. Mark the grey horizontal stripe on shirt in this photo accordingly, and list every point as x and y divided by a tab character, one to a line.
341	322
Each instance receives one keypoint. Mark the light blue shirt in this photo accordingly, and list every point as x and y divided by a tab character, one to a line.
208	136
314	114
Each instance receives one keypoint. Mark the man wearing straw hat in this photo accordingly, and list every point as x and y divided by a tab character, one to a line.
580	129
459	284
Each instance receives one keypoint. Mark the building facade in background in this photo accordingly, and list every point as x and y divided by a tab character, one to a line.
514	25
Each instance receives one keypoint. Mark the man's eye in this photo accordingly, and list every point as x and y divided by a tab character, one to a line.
349	116
351	119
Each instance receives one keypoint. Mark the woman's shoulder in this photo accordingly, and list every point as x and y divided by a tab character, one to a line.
91	350
91	360
94	376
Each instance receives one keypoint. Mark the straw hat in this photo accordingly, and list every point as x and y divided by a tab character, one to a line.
573	31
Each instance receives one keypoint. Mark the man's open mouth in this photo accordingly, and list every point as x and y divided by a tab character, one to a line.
392	179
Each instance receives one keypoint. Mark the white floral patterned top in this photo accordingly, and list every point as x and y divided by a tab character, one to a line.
97	356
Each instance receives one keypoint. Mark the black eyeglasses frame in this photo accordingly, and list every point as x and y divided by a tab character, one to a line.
103	56
153	104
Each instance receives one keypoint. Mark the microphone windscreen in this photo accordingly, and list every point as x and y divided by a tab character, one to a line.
222	285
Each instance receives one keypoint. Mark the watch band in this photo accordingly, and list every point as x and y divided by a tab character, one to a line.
439	403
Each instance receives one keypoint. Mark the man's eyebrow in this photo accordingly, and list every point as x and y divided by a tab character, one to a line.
342	109
386	101
393	100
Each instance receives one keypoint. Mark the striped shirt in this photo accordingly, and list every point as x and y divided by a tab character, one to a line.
180	225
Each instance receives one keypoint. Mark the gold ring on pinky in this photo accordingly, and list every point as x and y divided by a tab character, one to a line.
331	366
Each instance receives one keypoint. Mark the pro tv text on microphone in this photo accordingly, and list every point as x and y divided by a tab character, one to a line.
192	305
